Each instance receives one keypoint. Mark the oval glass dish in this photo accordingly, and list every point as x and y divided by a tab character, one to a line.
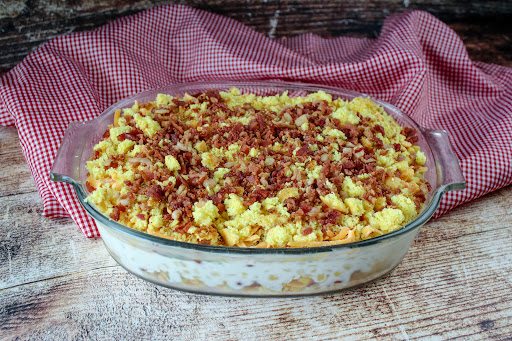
235	271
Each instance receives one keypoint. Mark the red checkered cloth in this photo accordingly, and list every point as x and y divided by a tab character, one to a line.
418	64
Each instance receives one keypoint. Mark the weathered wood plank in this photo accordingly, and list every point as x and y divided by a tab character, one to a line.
34	248
26	25
15	176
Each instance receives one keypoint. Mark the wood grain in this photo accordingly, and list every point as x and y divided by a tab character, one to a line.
25	25
455	282
11	155
51	247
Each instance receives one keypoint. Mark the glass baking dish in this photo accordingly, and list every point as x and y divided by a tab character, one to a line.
234	271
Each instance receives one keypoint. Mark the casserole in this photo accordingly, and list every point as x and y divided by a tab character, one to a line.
251	271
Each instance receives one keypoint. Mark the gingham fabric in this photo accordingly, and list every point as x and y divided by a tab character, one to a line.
418	64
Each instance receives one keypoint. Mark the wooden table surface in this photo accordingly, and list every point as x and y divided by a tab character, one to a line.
455	282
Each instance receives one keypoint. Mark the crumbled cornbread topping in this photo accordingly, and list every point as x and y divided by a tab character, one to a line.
242	170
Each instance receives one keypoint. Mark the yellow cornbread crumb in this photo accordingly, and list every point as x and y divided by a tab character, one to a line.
334	202
334	133
355	206
172	163
147	124
420	158
205	215
219	174
281	235
351	188
209	160
125	146
344	114
116	131
315	172
388	220
406	205
234	205
286	193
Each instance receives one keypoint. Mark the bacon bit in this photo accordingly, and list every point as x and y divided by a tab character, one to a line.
305	150
179	103
379	129
183	228
260	194
410	134
121	208
96	154
147	175
307	231
245	149
420	196
113	164
221	207
106	135
90	187
115	214
127	136
183	165
370	167
291	204
181	181
249	202
176	126
305	207
359	164
213	94
332	217
261	122
397	147
326	169
156	192
253	124
337	123
378	142
348	165
350	130
141	216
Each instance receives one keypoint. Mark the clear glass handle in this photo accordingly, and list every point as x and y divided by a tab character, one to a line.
66	166
449	173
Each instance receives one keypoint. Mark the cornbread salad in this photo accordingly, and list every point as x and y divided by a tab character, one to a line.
237	169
